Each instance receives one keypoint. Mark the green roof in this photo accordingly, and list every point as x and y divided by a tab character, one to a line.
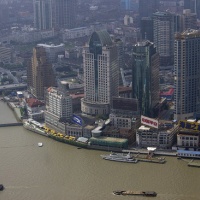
103	36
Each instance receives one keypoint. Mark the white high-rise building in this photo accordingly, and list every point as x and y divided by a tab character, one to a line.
59	110
101	74
58	103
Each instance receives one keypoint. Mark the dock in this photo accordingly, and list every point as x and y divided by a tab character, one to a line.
193	164
156	153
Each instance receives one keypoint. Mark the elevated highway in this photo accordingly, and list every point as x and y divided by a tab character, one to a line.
13	86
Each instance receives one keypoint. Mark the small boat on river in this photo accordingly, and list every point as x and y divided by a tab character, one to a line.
40	144
1	187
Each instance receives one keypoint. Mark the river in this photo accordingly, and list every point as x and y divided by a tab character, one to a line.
59	171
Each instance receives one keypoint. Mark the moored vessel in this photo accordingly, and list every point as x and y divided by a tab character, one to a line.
34	126
120	157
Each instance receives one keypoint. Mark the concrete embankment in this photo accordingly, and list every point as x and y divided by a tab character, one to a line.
11	124
16	110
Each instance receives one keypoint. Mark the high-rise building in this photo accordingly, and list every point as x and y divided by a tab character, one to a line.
58	109
42	14
40	73
193	5
64	13
127	4
189	20
145	83
163	38
101	74
146	27
147	7
187	74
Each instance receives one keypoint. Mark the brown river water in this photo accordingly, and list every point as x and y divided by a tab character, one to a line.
59	171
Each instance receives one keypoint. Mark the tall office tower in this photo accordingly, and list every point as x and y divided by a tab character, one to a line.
163	28
146	27
101	74
193	5
127	4
58	109
64	13
41	73
42	14
187	74
189	20
121	61
145	83
147	7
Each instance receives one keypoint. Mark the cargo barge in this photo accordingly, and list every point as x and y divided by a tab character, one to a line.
135	193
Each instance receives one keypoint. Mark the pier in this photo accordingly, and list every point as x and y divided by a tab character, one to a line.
11	124
156	153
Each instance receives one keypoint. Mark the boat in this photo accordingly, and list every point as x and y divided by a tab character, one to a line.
32	126
40	144
1	187
137	193
188	154
120	157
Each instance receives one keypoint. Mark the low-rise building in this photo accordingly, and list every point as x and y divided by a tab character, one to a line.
162	138
35	109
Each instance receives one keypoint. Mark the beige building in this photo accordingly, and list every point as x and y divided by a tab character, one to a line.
163	138
101	74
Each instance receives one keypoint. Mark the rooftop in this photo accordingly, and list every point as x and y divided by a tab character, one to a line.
34	102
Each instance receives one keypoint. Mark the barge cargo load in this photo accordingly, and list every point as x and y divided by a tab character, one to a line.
136	193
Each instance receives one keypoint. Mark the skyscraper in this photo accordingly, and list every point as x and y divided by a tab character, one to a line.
145	83
187	74
147	7
42	14
189	20
146	27
163	30
101	74
40	72
193	5
64	13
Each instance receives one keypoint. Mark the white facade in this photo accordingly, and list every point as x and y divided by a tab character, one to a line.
101	74
59	104
187	140
31	35
146	137
76	33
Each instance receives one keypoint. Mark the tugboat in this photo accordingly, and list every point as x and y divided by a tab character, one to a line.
1	187
137	193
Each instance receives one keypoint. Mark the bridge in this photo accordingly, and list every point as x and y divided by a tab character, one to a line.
13	86
11	124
